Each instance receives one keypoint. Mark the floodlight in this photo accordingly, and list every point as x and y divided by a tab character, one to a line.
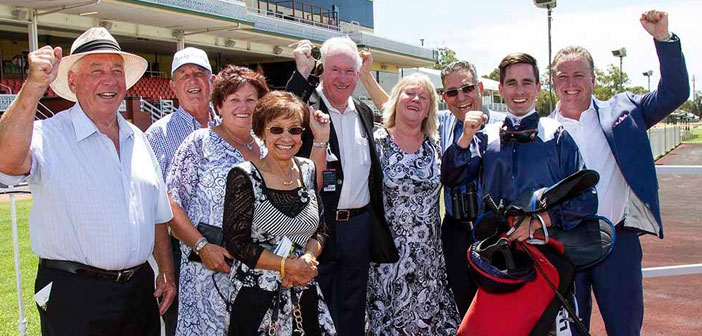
545	3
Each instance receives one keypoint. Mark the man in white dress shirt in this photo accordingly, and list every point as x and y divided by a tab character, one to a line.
99	198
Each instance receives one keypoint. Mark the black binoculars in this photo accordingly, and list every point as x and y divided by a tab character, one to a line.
465	203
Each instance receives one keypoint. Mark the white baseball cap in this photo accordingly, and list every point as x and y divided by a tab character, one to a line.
190	55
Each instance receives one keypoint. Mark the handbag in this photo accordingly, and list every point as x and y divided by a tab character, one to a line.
213	234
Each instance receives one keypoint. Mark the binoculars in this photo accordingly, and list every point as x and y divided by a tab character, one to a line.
465	203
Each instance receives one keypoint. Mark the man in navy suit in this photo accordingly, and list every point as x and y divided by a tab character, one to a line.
612	139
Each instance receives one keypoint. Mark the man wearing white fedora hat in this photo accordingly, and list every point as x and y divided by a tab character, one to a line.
99	197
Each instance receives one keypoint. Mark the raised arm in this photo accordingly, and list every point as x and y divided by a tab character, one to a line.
16	124
376	92
674	85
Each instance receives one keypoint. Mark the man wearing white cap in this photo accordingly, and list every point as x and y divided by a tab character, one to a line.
100	203
191	77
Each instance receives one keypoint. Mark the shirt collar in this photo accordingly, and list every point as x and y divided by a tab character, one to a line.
350	106
518	120
84	127
187	117
563	119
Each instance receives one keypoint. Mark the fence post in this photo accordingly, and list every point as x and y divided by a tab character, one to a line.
21	321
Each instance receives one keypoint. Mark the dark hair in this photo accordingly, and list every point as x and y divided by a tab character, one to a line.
276	104
459	65
231	78
517	58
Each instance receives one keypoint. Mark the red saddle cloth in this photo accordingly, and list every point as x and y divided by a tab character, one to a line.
529	310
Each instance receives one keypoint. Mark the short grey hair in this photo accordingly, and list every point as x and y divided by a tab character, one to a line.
341	45
573	52
459	65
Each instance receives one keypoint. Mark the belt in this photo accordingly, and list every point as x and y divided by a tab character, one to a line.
344	215
89	271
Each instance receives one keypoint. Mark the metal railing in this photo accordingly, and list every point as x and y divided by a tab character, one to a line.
155	112
664	139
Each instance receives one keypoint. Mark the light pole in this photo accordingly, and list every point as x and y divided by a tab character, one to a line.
621	53
548	4
648	75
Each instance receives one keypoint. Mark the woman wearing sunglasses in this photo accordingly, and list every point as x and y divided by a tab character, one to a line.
196	185
411	296
274	228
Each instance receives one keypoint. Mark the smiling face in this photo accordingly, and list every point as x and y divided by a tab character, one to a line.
192	86
413	104
339	79
462	102
282	147
574	84
237	108
99	84
520	88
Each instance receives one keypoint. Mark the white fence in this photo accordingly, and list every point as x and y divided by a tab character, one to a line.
664	139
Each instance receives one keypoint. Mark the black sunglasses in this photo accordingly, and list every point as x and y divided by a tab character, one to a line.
467	89
277	130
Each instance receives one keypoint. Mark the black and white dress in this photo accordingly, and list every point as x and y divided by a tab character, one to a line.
257	218
411	296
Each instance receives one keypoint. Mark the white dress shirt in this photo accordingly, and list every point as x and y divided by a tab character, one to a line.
355	154
612	190
92	205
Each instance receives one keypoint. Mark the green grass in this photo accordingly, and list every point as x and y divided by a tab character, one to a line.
696	136
28	265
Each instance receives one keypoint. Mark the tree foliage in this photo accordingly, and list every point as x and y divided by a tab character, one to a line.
494	75
446	56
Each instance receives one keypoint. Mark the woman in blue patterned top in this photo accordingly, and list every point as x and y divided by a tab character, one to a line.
196	181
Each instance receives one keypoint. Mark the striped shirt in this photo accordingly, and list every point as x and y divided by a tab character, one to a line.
91	204
166	135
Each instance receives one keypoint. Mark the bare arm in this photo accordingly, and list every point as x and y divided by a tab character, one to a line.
376	92
16	124
165	282
319	124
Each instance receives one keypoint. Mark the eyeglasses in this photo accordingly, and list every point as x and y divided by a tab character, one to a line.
467	89
295	130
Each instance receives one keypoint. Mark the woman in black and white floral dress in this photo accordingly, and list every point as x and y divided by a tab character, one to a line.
267	204
411	296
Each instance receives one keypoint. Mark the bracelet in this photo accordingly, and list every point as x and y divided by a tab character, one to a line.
282	267
319	144
199	245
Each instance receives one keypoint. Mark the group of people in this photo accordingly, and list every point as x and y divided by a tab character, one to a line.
291	213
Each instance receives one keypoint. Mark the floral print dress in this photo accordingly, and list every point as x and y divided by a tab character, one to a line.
411	296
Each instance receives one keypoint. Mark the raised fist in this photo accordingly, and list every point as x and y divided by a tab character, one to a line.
43	65
656	24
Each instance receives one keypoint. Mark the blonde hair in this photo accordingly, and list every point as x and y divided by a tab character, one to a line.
430	125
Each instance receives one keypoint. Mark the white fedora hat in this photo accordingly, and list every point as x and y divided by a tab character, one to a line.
96	40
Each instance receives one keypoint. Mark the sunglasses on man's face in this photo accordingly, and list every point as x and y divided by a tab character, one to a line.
277	130
467	89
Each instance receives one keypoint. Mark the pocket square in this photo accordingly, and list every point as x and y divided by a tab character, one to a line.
620	119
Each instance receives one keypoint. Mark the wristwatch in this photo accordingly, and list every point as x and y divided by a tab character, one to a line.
199	245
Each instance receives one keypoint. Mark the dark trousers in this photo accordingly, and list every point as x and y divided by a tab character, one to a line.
170	318
618	288
87	306
251	305
456	237
344	279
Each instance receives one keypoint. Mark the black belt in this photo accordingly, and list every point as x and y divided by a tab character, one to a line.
89	271
344	215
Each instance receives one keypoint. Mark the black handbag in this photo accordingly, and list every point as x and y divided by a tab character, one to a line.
213	234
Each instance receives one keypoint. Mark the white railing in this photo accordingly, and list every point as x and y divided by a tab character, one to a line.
664	139
153	111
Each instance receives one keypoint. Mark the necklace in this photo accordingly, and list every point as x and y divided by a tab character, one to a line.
248	145
291	180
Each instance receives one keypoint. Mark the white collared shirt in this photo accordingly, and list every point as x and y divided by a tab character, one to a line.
92	205
355	154
612	190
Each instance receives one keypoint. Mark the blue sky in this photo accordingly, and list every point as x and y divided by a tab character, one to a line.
484	31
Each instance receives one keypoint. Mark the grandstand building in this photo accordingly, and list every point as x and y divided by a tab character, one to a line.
242	32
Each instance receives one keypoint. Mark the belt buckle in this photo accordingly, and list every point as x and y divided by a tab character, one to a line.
124	275
342	215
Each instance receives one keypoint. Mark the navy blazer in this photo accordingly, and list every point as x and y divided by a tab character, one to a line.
626	117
